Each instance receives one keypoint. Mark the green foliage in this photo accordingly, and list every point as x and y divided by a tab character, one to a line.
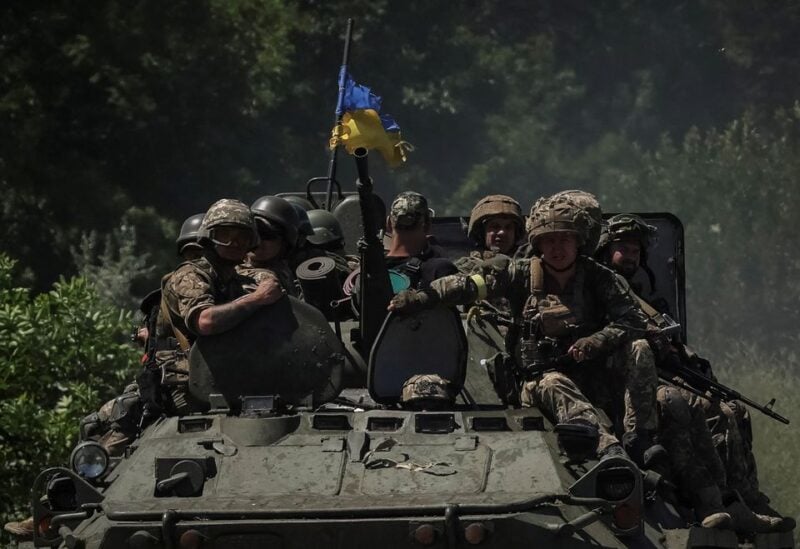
762	373
61	353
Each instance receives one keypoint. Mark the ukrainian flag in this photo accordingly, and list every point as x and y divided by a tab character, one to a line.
363	125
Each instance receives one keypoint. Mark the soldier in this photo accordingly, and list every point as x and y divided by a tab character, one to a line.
188	247
686	417
410	252
496	226
277	223
206	296
584	311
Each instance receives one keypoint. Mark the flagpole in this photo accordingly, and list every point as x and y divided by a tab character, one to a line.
339	108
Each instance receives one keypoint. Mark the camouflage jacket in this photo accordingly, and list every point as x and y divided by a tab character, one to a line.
607	308
198	284
274	268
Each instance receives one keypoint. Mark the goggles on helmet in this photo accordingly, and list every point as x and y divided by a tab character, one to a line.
232	236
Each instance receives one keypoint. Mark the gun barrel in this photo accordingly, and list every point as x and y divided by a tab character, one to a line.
362	164
699	384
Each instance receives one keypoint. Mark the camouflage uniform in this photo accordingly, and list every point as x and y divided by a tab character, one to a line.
594	295
260	271
194	286
709	441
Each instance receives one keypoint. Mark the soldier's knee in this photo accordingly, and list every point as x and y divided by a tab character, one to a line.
127	412
672	406
554	380
92	426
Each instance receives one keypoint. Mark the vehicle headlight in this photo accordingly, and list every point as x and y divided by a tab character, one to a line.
89	460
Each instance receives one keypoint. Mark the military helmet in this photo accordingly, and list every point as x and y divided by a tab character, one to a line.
280	214
492	205
427	388
304	203
327	230
589	204
189	230
624	227
557	214
304	228
228	213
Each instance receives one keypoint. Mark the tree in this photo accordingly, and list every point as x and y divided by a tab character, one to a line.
61	354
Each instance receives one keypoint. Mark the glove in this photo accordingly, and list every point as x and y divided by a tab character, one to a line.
587	348
411	301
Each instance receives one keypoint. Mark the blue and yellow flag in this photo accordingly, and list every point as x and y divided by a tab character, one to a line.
363	125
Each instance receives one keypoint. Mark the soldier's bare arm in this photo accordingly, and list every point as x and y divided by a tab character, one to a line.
221	318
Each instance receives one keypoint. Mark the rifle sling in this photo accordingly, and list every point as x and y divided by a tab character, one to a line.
183	343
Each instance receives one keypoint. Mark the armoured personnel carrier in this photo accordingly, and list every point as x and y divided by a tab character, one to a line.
303	441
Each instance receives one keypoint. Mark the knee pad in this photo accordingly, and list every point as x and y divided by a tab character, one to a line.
92	426
127	412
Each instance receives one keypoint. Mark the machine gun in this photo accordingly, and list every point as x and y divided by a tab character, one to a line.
375	290
692	379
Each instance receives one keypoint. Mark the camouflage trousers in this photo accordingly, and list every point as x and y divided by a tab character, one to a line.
732	435
114	424
694	463
623	388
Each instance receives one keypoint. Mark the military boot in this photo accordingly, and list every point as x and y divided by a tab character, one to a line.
22	530
709	510
747	522
760	505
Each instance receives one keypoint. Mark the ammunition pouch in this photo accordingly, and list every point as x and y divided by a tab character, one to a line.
174	369
174	366
555	318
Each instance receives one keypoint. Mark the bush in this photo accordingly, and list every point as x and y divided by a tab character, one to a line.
61	354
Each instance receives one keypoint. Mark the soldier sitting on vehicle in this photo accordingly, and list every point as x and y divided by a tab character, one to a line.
583	310
410	252
496	226
703	474
277	224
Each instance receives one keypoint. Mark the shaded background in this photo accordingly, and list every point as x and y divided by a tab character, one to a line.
118	119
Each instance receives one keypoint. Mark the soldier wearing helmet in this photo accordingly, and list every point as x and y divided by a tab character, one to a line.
277	222
575	303
703	473
409	250
207	296
496	226
188	247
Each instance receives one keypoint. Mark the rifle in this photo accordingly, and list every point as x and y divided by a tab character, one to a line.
696	382
375	290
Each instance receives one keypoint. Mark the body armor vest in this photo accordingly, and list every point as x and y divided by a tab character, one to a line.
551	323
